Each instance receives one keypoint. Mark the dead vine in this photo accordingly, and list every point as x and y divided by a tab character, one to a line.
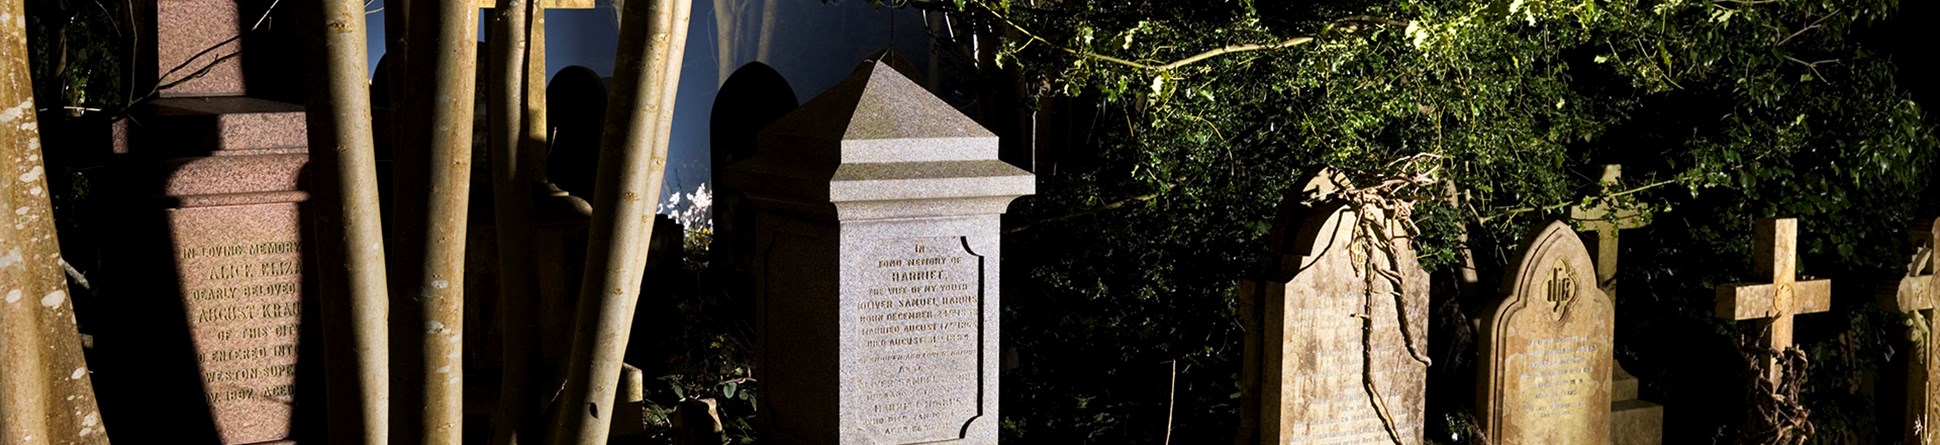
1776	416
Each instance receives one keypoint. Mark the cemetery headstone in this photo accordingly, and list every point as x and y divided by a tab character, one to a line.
1343	325
1633	421
1769	307
576	111
1546	357
212	281
1918	295
751	99
877	232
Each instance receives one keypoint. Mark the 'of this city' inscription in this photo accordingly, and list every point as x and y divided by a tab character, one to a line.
242	289
1545	370
919	321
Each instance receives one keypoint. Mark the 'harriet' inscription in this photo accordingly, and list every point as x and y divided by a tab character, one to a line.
244	303
919	321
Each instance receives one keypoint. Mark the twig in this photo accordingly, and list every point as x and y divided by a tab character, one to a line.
1083	213
1216	52
1171	402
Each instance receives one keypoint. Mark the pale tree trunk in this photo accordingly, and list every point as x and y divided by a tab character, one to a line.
46	395
512	203
355	332
633	153
429	301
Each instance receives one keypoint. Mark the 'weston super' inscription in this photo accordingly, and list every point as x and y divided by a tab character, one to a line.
919	321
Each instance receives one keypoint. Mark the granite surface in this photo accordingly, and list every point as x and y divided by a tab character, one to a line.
877	234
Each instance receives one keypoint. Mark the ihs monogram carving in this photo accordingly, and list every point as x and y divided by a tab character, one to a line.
1562	288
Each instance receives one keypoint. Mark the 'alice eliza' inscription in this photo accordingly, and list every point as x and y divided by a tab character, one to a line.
244	302
919	322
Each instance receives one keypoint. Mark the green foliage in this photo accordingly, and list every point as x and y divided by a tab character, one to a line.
1721	111
78	53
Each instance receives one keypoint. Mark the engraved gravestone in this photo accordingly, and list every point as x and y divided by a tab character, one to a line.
1335	316
210	276
1546	357
1916	294
876	262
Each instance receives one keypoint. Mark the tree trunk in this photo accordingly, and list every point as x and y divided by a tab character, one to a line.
355	334
433	187
633	154
512	187
46	395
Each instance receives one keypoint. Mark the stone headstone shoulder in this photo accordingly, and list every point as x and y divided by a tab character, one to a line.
1544	375
1342	347
877	231
1917	294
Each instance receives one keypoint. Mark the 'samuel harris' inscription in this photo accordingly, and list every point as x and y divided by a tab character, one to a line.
919	319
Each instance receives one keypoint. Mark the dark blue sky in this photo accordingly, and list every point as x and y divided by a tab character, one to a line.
813	45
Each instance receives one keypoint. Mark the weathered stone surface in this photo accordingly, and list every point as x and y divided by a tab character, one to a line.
1918	294
1546	348
1769	307
877	235
1637	418
1319	354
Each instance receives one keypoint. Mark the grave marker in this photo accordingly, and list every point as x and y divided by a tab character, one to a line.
212	276
1916	294
1332	336
1633	421
877	234
1770	307
1544	376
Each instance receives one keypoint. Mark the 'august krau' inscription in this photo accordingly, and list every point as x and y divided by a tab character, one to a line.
919	323
244	302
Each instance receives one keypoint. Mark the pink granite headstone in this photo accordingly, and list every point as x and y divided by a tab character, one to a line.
210	268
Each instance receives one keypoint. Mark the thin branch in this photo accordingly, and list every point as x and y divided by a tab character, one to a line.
1229	49
1083	213
1521	210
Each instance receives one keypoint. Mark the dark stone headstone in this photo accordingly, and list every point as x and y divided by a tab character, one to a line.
576	111
751	99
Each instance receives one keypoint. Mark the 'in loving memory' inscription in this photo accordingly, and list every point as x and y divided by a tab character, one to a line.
919	321
244	302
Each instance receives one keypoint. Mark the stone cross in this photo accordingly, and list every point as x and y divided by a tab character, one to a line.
1917	293
1633	421
1606	223
1773	304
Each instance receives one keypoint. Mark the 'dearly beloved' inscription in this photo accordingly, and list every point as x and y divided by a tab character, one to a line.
244	301
919	321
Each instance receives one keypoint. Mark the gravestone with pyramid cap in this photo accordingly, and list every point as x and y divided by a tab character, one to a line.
877	225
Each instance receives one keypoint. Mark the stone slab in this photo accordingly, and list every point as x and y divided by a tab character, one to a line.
241	271
194	35
1636	422
213	126
877	313
1546	348
1317	361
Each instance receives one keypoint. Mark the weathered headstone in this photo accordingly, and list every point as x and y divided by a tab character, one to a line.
1633	421
576	110
877	272
212	279
1769	307
753	97
1343	345
1546	357
1917	294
